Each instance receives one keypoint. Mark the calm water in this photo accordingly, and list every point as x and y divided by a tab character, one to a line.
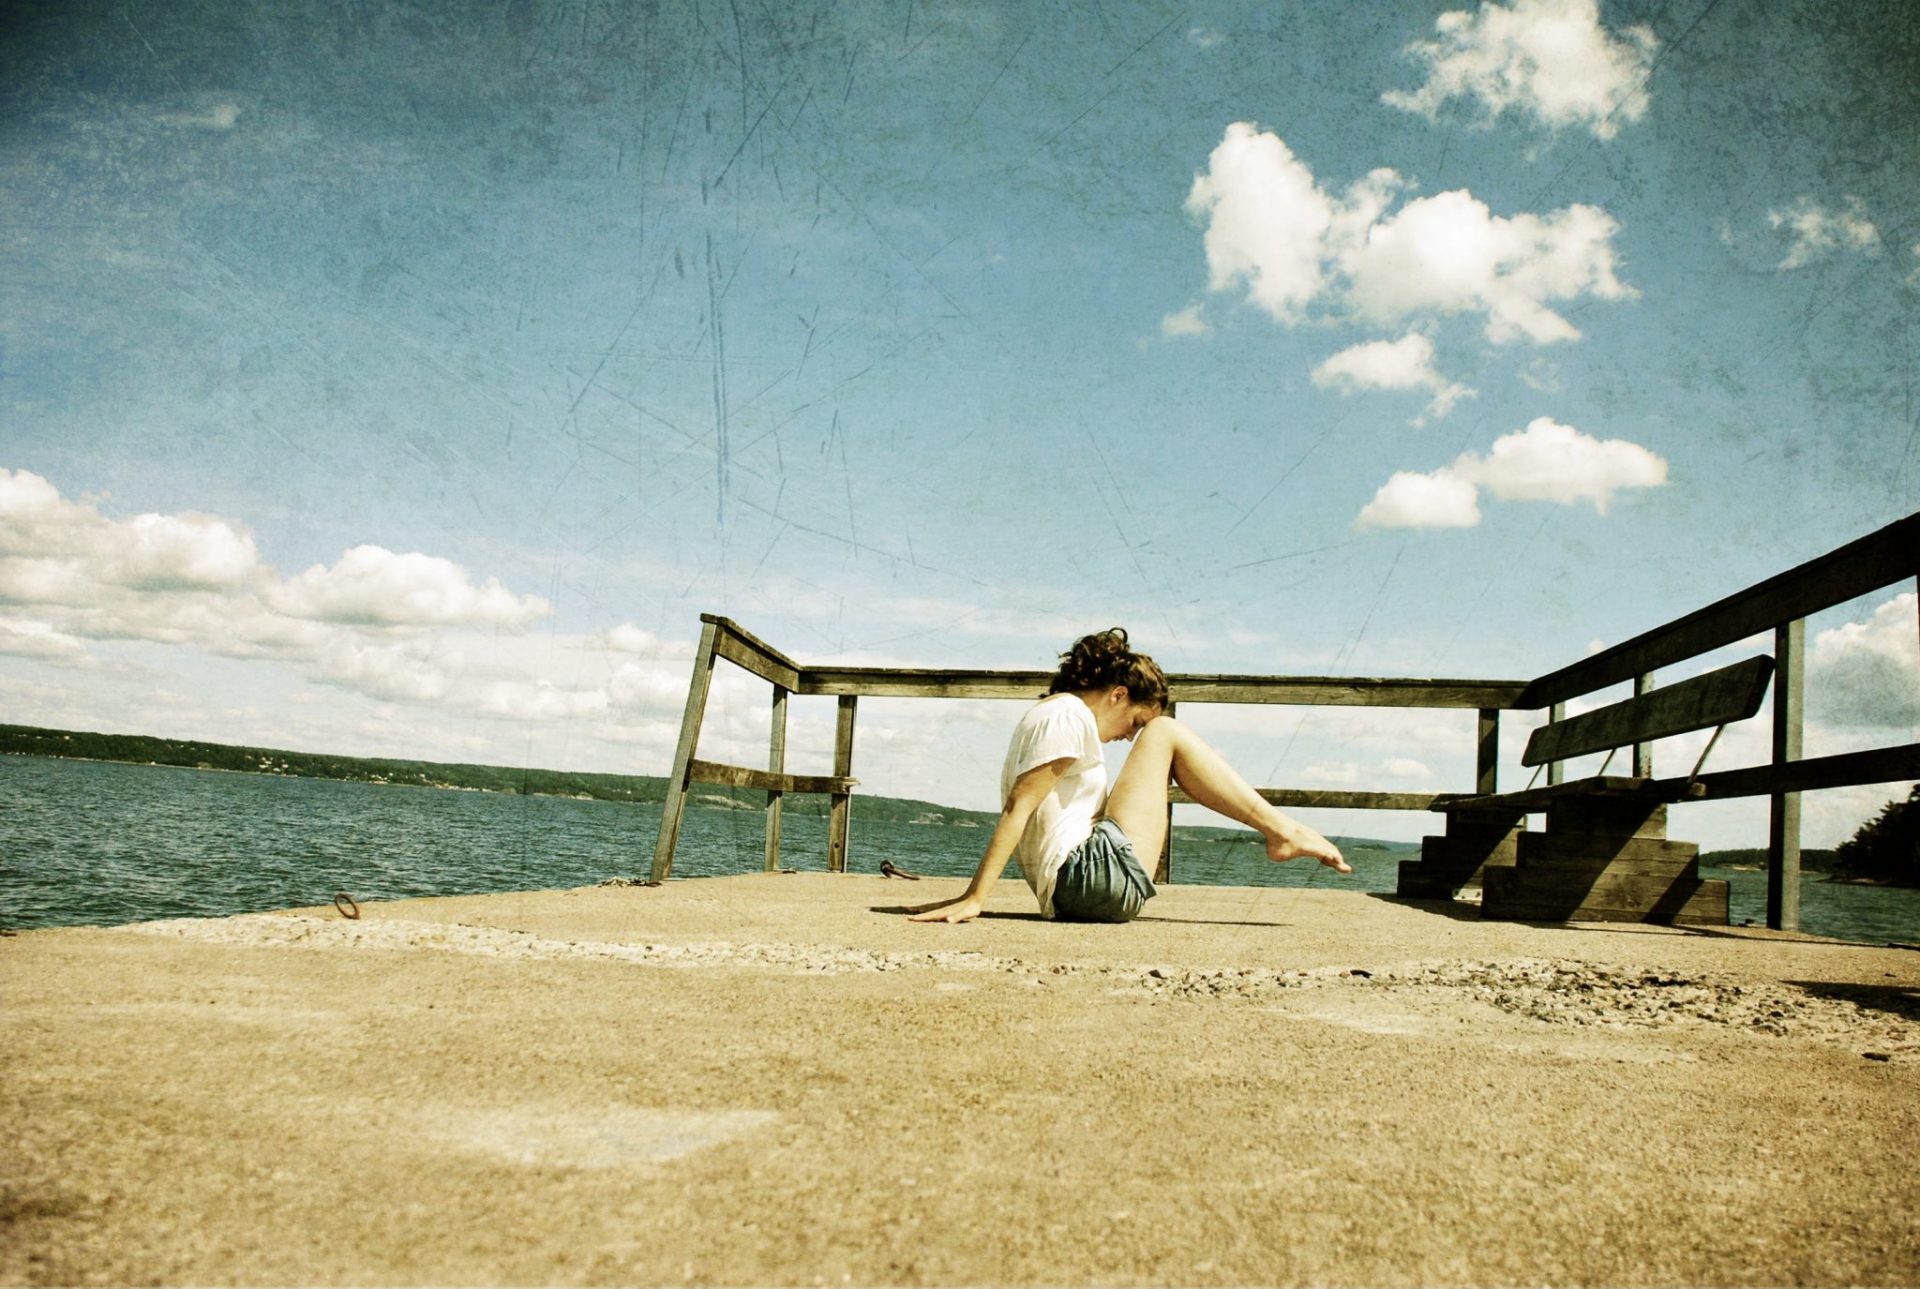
84	842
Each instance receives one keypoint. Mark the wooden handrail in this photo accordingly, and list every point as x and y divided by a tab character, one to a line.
1183	687
1876	560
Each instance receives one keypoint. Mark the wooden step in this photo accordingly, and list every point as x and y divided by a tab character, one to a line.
1572	852
1543	895
1448	865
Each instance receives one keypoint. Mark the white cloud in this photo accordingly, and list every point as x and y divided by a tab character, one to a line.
1816	230
1204	37
1406	363
1450	254
1548	59
1401	767
1867	674
1271	226
30	639
372	586
1185	322
1546	461
1411	500
384	625
1338	772
51	548
1266	221
179	552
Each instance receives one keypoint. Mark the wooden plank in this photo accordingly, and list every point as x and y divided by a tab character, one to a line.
1580	848
777	764
1307	691
1328	799
1783	808
840	810
917	682
743	655
729	627
747	776
1877	765
1518	894
1343	691
1717	698
1528	800
674	806
1892	554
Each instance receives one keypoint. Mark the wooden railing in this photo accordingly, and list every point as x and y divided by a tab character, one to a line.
721	638
1779	605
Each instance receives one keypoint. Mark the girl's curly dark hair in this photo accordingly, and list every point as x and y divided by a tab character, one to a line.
1103	660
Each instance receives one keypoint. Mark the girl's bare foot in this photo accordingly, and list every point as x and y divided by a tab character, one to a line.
1292	840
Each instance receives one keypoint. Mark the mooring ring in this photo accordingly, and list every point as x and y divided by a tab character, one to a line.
348	908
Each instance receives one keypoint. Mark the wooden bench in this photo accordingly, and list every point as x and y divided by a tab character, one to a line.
1604	855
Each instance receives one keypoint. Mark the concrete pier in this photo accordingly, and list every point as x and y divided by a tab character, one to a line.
776	1079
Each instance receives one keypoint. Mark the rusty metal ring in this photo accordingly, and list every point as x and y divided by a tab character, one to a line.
348	908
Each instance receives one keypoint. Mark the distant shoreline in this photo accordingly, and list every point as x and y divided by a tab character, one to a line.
576	785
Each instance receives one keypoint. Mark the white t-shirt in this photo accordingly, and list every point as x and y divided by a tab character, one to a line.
1055	727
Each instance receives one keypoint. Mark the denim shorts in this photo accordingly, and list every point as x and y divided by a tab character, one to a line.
1101	880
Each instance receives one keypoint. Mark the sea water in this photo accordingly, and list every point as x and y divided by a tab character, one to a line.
87	842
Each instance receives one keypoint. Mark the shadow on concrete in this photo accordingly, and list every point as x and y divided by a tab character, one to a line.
1458	910
1902	1001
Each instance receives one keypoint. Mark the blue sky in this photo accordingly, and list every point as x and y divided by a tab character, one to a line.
406	380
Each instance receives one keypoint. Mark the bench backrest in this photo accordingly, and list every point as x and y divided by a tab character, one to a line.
1717	698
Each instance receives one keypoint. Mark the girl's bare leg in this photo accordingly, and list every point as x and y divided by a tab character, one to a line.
1167	750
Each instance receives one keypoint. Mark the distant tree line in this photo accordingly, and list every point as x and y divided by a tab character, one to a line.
141	749
1887	846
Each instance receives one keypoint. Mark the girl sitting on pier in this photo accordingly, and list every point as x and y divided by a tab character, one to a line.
1080	846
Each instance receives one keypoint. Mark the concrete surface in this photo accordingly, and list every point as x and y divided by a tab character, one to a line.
778	1080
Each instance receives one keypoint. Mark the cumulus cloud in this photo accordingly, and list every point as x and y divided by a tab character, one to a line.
372	586
1546	461
1441	499
1815	230
1867	674
380	624
1406	363
1271	226
179	552
1547	59
1185	322
49	546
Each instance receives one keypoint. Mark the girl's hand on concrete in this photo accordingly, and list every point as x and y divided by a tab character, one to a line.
964	909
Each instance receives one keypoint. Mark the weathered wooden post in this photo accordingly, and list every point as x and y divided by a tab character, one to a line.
1643	752
1556	770
776	764
1783	808
842	802
675	804
1486	772
1163	871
